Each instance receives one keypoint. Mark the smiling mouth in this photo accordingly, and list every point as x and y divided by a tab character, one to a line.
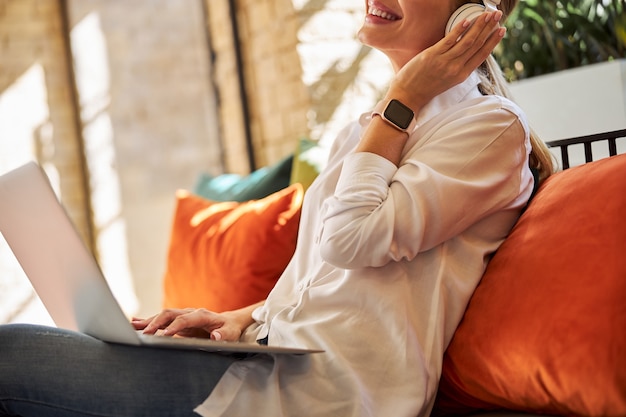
372	10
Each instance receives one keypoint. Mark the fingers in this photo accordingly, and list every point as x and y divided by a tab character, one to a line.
204	323
160	321
140	324
194	319
470	44
487	47
468	38
490	35
226	332
190	323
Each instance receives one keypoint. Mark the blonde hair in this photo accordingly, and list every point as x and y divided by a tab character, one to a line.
493	82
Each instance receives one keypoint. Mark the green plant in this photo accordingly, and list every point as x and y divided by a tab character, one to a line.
547	36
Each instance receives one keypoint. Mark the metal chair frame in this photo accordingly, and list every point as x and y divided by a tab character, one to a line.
587	140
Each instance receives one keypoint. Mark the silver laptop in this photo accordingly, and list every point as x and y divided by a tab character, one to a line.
66	276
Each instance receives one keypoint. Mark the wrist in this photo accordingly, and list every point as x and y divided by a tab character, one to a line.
243	316
409	98
396	114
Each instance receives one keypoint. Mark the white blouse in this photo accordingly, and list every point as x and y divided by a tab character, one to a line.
386	262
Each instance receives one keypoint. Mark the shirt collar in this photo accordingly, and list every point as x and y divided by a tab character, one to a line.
465	90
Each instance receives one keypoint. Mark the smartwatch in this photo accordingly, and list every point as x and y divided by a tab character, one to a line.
397	115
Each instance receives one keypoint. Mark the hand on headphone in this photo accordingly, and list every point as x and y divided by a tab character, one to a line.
449	61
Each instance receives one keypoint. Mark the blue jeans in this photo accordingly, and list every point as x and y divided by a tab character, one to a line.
52	372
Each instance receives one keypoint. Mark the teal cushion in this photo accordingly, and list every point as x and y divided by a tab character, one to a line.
232	187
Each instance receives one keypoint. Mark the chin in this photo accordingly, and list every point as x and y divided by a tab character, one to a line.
361	37
368	37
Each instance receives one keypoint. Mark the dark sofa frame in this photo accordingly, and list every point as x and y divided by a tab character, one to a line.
586	141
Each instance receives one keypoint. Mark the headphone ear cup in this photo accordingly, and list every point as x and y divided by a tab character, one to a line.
469	11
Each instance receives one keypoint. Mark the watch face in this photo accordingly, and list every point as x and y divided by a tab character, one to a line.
399	114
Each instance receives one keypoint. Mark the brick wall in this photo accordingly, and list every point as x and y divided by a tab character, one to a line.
306	74
37	120
31	42
228	91
146	122
149	113
278	99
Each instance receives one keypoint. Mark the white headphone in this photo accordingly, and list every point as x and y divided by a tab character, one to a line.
470	11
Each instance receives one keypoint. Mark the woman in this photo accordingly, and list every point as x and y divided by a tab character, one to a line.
394	237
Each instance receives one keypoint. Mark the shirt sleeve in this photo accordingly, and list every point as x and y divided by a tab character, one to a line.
458	173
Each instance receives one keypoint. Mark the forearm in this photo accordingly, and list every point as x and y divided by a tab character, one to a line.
382	138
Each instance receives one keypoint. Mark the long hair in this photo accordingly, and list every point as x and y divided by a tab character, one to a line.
493	82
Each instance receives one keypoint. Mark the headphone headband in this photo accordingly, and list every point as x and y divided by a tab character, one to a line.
471	11
491	5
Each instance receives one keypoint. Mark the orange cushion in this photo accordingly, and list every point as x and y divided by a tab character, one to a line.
227	255
546	328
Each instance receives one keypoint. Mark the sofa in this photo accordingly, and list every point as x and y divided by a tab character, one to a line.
545	331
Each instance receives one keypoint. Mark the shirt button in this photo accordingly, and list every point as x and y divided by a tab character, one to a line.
300	287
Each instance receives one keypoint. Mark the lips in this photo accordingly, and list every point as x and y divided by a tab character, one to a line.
377	11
